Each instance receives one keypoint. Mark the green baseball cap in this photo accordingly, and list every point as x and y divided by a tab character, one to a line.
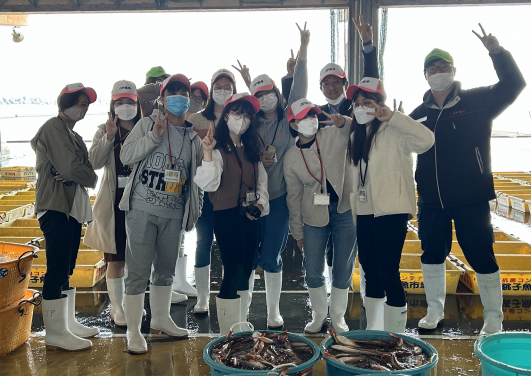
437	54
157	72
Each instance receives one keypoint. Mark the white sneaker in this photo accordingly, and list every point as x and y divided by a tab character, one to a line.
273	284
161	321
395	318
338	307
228	311
177	298
116	288
180	284
134	305
374	311
58	336
490	291
434	276
319	309
74	326
202	281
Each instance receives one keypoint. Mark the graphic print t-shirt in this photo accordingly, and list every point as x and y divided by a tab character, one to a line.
152	194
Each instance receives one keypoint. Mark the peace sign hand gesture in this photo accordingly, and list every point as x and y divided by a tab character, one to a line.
335	119
400	108
208	143
160	125
490	42
364	29
382	113
244	71
110	127
305	35
292	61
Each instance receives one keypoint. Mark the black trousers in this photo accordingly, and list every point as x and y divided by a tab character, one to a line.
329	251
237	238
62	235
380	243
472	229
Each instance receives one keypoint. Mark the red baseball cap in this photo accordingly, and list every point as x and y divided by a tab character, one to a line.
299	109
176	77
201	86
72	88
368	84
245	97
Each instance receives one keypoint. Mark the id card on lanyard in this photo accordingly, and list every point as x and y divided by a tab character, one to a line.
171	175
318	198
362	193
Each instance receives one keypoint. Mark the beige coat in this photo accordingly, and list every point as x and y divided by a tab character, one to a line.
100	232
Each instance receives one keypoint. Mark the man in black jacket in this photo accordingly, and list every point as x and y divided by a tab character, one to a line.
454	178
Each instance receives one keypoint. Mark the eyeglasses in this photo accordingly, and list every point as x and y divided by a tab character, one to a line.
197	99
226	89
261	94
443	68
238	116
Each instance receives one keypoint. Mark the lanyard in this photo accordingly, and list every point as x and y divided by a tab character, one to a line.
363	177
126	167
320	162
169	144
274	136
240	167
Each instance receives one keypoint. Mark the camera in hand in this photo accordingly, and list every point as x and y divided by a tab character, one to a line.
252	210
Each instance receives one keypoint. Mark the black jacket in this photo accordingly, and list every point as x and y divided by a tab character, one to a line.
370	69
457	169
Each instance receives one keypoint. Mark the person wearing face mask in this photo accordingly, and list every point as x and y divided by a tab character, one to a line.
62	205
161	201
107	231
237	184
148	94
319	182
454	178
383	199
223	86
198	98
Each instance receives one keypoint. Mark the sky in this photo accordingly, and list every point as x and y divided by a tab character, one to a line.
99	49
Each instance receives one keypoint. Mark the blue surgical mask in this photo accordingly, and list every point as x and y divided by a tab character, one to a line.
178	104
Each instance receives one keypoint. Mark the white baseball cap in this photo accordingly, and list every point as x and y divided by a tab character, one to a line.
368	84
124	89
300	108
262	83
223	72
332	69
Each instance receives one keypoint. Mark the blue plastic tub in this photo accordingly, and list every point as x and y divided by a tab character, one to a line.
505	354
338	369
217	369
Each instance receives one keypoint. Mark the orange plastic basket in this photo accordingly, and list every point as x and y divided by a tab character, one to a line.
15	321
15	273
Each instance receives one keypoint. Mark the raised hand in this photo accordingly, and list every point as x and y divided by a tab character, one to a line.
110	127
382	113
364	29
291	64
335	119
489	41
209	142
400	108
305	35
244	71
160	125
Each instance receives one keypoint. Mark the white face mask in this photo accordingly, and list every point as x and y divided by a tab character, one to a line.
441	81
195	106
308	126
221	97
74	113
237	126
361	115
338	100
268	103
125	111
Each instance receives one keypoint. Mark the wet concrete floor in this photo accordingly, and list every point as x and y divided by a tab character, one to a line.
453	339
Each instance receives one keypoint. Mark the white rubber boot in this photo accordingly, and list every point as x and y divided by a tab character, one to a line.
329	284
362	282
273	284
177	298
374	311
134	305
435	286
251	289
202	281
490	291
116	288
244	296
319	309
228	311
58	336
395	318
338	307
161	321
180	284
75	327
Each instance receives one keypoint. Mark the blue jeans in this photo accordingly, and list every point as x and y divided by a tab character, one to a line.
344	241
205	234
274	230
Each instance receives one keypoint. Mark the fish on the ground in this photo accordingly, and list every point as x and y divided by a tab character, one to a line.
380	355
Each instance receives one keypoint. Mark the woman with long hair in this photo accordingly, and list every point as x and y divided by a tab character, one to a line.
107	231
236	180
383	199
62	205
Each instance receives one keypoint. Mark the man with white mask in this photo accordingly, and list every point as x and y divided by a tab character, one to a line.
454	178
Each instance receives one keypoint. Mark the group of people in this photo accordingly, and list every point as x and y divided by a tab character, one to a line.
252	167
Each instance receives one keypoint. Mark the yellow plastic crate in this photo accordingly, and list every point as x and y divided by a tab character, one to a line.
500	247
41	243
411	275
515	273
17	172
